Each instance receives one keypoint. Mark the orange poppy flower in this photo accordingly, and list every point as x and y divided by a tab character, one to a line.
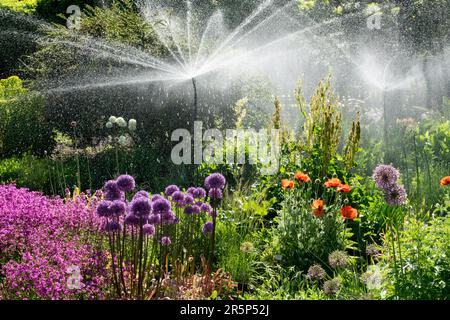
348	212
343	188
317	207
302	177
333	183
445	181
287	184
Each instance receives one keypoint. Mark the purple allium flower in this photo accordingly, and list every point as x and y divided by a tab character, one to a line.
316	272
103	208
191	191
373	250
385	176
188	200
114	195
206	208
156	197
161	206
148	229
188	210
125	183
170	190
395	195
111	185
131	219
141	194
165	241
215	181
215	193
196	209
338	259
154	219
118	208
141	207
168	217
199	193
331	287
112	226
208	227
178	198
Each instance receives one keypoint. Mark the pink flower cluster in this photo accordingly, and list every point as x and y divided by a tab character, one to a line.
42	242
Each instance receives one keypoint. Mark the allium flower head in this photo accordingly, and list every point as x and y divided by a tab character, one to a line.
215	180
178	198
112	119
188	210
141	207
131	219
338	259
154	219
148	229
118	208
196	209
331	287
373	250
103	208
121	122
161	206
109	125
188	200
165	241
247	247
372	277
190	191
122	140
208	227
156	197
205	207
125	183
170	190
112	191
316	272
141	193
385	176
168	217
132	124
395	195
215	193
112	226
199	193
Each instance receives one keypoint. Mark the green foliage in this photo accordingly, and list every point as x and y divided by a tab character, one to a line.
423	272
23	128
26	6
53	9
27	171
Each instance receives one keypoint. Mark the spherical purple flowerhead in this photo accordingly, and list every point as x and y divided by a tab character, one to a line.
188	210
188	200
131	219
170	190
141	194
191	191
141	207
154	219
395	195
199	193
161	206
338	259
148	229
196	209
168	217
208	227
205	207
113	226
385	176
178	198
125	183
111	185
215	193
156	197
114	195
316	272
118	208
165	241
215	180
103	208
331	287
